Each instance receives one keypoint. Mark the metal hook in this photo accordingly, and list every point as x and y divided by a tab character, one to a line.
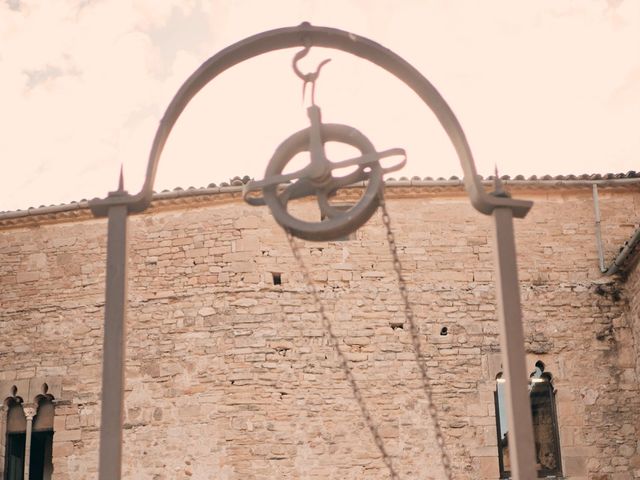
310	77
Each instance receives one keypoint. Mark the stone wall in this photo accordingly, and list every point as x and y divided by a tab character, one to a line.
632	292
231	377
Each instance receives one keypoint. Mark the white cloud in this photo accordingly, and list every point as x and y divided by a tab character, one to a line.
539	87
72	121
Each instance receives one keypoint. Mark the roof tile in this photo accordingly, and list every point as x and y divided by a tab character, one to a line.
238	181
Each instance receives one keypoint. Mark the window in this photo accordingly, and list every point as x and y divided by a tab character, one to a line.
545	424
16	428
41	465
29	439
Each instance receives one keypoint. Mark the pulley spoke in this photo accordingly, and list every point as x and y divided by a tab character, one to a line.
340	182
326	209
275	180
306	172
374	157
299	189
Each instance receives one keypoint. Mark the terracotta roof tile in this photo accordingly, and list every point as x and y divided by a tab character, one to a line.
239	181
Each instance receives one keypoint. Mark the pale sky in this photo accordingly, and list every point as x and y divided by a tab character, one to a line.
540	87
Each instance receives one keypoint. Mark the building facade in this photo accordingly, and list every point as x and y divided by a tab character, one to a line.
231	374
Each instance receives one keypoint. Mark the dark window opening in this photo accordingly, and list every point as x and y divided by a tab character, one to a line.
40	462
277	278
444	331
40	452
545	425
14	460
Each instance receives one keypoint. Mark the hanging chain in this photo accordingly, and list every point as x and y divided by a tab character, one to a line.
333	340
415	338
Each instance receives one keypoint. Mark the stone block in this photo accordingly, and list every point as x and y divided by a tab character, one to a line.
24	277
61	449
575	466
68	435
246	245
489	467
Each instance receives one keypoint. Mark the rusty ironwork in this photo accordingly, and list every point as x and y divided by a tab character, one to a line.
117	208
316	179
114	347
300	36
307	78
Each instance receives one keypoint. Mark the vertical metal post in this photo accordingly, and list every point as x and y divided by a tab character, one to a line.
110	465
521	444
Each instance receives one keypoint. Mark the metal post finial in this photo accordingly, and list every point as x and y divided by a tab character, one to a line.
121	179
498	186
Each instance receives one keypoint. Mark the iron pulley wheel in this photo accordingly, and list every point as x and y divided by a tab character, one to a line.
317	179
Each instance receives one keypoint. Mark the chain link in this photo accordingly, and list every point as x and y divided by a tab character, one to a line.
333	339
415	338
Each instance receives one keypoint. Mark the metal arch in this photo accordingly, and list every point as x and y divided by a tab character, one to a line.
301	36
117	206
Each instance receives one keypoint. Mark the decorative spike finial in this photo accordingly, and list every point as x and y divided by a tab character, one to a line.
498	186
121	179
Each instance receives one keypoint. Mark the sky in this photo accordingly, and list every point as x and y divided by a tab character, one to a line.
540	87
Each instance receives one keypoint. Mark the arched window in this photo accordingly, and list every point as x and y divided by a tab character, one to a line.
16	433
545	424
40	461
29	438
